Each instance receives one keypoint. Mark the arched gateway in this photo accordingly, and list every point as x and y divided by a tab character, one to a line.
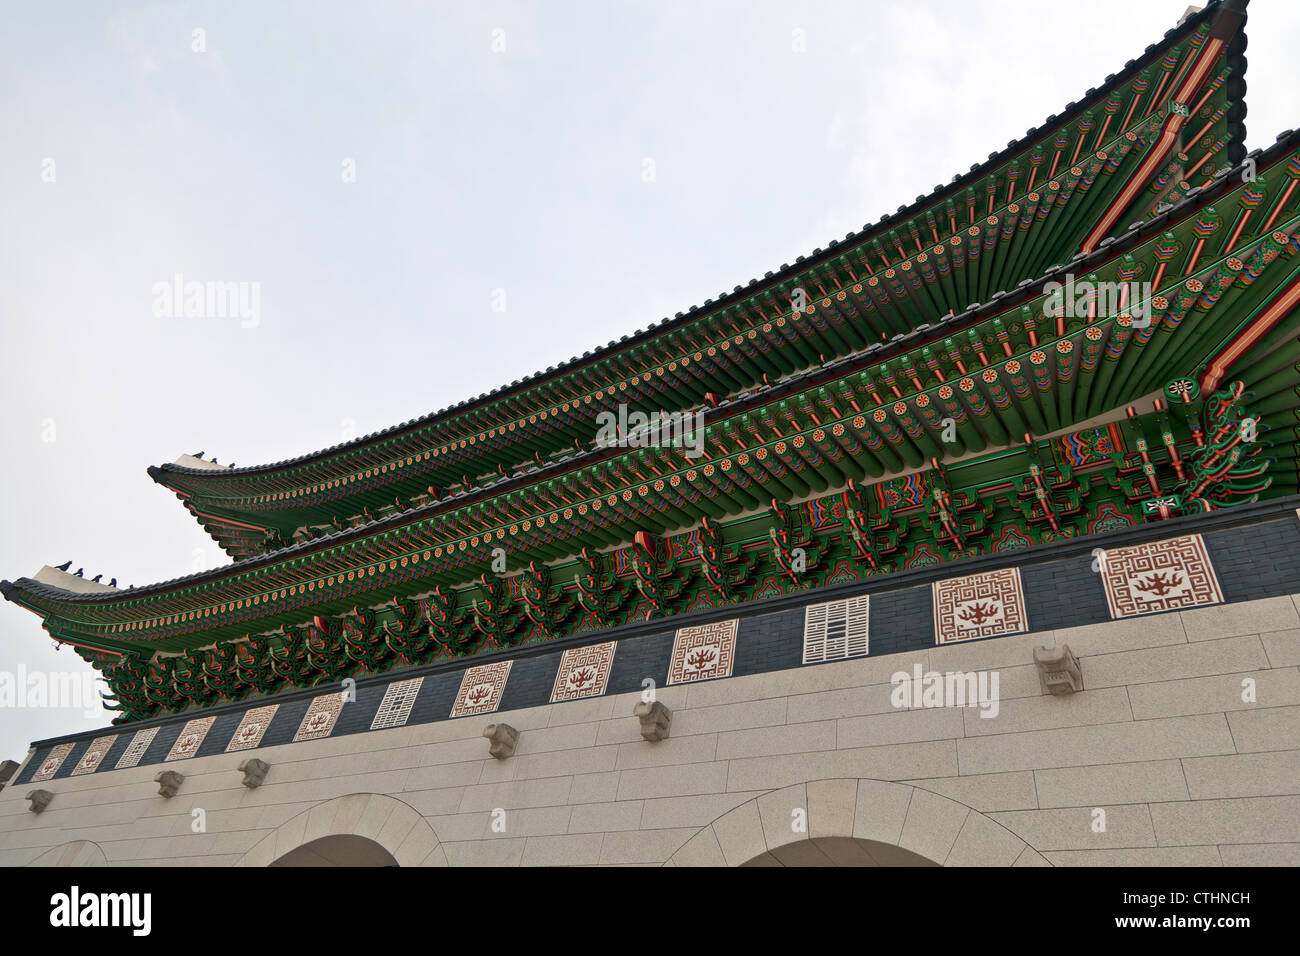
837	822
79	853
360	829
854	822
984	513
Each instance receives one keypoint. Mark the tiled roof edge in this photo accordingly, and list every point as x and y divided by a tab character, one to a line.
1072	110
1238	515
759	396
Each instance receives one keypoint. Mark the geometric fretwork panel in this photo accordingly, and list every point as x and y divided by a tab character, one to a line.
321	716
836	630
481	689
94	754
136	748
251	728
584	672
979	605
396	706
53	762
703	652
191	737
1158	576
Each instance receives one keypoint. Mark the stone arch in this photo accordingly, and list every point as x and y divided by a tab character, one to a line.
396	826
338	849
75	853
861	810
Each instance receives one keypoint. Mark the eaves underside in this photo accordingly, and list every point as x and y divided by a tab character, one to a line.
787	272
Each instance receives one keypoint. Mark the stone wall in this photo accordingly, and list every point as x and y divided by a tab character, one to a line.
1160	738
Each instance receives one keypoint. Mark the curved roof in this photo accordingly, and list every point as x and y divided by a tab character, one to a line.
40	596
788	271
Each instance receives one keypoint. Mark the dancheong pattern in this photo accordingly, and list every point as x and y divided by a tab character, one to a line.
979	605
320	717
1159	576
584	672
251	728
50	766
481	689
966	608
191	738
850	437
94	755
703	652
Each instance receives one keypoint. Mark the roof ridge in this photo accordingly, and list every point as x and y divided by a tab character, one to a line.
757	397
786	272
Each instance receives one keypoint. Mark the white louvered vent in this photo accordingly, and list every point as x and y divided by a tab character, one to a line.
136	748
835	630
396	706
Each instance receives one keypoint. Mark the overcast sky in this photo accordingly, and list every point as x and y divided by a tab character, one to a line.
477	168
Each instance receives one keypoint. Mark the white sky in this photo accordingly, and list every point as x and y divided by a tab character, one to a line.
475	171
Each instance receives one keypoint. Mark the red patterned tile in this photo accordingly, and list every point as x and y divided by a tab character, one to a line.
51	764
94	755
481	689
1158	576
320	717
584	672
191	737
703	652
979	605
251	728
